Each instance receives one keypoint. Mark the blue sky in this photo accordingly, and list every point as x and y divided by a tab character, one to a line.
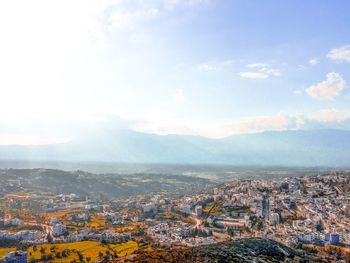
200	67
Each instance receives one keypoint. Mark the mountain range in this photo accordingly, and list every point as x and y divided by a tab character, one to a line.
284	148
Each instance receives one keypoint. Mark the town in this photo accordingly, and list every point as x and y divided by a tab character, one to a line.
312	212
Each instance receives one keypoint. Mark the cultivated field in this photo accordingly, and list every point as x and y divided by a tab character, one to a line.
85	251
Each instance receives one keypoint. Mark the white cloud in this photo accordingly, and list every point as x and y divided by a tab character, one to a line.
253	75
302	67
126	15
179	95
29	139
297	92
174	3
330	115
215	65
310	63
260	71
121	15
55	51
324	119
341	54
314	61
121	20
280	121
207	67
219	128
329	88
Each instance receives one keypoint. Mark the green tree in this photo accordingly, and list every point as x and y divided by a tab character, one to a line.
49	238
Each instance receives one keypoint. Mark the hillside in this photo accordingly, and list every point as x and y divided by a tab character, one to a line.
101	185
241	250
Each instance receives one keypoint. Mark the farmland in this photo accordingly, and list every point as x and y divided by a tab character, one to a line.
84	251
5	250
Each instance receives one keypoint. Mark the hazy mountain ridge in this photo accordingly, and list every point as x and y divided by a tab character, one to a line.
300	148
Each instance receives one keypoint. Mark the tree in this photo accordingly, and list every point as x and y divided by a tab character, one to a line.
81	257
260	225
65	253
50	257
49	238
230	231
319	226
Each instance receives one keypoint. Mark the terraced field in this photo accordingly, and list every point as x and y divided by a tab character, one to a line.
5	250
85	251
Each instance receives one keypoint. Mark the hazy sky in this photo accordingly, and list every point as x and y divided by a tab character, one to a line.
201	67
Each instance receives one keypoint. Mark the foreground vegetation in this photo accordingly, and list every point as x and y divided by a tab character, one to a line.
240	250
84	251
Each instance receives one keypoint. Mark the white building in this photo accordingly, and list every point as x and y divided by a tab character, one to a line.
198	210
53	221
186	209
58	230
274	218
13	222
150	207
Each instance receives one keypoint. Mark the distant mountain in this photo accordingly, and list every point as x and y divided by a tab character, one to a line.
287	148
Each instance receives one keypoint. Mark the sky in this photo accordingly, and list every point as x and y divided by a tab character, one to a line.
194	67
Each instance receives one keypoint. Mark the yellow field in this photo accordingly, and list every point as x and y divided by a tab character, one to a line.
60	214
215	208
97	221
126	228
124	249
88	249
5	250
329	249
208	207
171	215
